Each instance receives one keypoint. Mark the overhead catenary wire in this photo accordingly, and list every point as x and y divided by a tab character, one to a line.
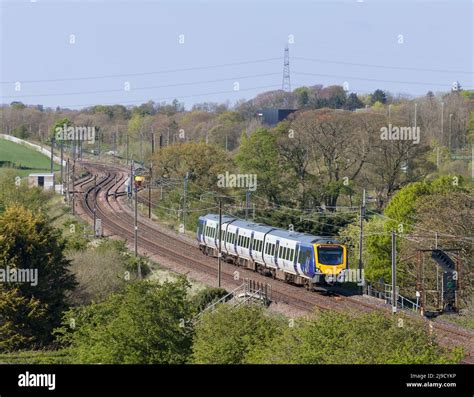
467	238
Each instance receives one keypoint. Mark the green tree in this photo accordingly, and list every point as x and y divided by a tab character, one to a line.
258	154
146	323
21	132
353	102
19	317
228	335
302	95
378	96
400	216
59	126
28	242
204	162
332	338
206	297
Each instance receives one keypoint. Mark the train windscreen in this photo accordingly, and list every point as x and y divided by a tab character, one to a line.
330	255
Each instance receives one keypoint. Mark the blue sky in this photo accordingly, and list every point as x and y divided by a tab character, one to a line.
227	42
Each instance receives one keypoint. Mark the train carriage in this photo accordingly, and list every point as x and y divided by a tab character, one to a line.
295	257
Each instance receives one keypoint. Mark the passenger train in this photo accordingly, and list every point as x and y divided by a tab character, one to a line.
294	257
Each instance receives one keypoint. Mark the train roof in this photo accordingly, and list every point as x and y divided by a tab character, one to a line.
303	237
259	227
215	217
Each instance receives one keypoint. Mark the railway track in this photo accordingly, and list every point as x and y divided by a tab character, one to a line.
117	219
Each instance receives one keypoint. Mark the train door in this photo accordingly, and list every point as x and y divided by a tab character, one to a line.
251	244
236	240
295	258
275	256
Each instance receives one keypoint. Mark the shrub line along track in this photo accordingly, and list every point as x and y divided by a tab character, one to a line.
117	219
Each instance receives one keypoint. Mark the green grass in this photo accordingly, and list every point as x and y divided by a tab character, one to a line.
23	156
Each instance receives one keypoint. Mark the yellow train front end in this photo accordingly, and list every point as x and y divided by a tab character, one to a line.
330	260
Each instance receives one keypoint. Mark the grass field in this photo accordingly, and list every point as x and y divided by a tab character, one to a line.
26	160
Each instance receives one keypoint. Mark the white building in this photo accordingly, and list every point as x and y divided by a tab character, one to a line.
46	181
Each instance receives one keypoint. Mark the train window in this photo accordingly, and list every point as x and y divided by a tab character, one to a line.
304	256
292	255
257	245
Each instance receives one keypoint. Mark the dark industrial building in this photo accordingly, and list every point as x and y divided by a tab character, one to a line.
274	116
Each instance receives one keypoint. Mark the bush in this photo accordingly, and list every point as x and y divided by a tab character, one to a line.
206	297
145	323
228	336
332	338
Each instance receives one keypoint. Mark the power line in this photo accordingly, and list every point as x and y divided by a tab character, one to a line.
381	66
145	73
172	97
146	87
465	238
369	79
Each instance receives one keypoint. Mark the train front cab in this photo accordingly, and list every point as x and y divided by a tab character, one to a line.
330	259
